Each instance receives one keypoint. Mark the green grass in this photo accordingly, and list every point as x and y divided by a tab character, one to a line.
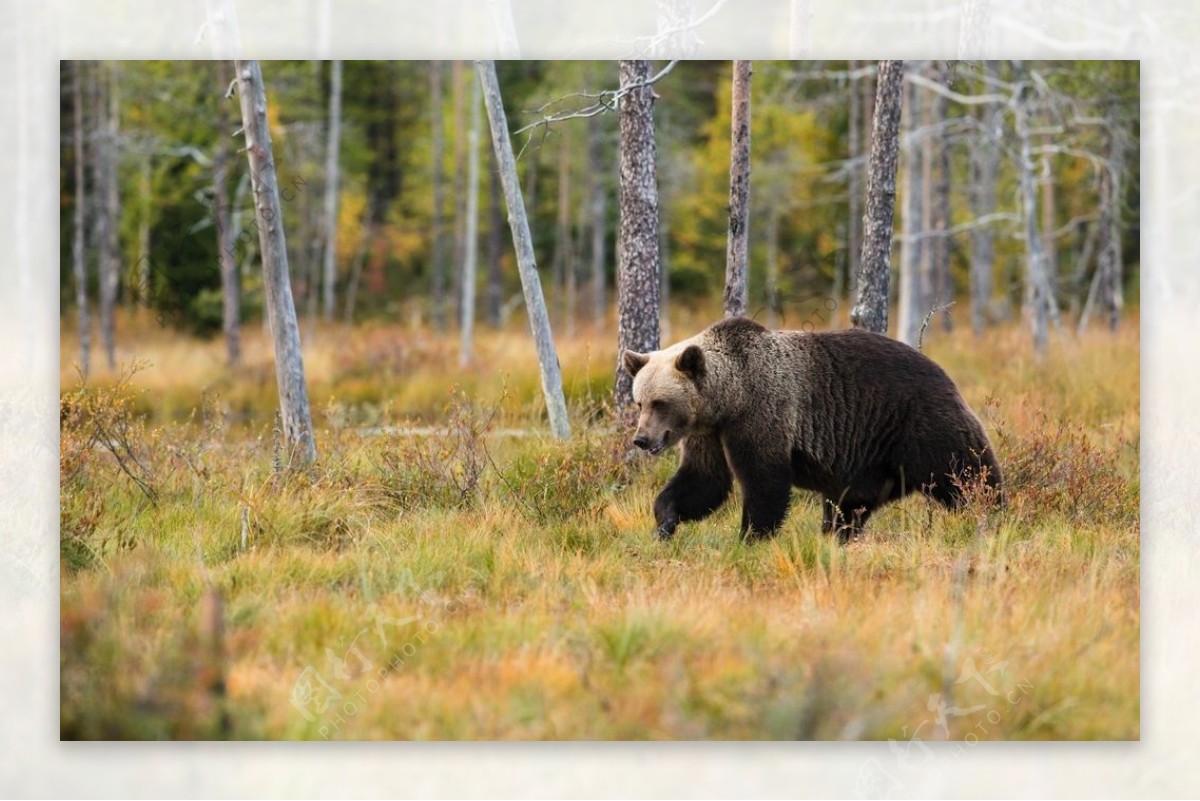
471	584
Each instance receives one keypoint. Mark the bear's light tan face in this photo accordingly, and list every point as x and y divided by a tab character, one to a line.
666	398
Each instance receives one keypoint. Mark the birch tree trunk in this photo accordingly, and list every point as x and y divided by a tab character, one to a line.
535	303
911	305
78	255
1114	268
289	363
1037	289
458	251
638	283
331	186
985	163
469	266
871	303
599	221
738	248
223	225
439	240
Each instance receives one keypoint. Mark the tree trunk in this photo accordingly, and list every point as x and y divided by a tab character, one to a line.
78	255
985	163
871	303
1114	268
638	285
854	182
467	323
1037	288
495	243
535	303
738	249
145	210
331	185
439	240
289	363
911	305
599	224
223	224
1048	225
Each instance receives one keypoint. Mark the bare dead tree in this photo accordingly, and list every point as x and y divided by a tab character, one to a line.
78	254
535	302
333	147
1040	304
638	283
285	331
871	303
738	248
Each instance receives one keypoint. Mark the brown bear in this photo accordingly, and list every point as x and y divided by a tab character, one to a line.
856	416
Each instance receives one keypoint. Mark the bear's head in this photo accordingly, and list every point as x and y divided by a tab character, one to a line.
666	389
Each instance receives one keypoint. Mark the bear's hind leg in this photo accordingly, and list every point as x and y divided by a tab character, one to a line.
697	489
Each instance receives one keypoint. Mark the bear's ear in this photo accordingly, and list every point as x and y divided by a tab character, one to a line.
634	361
691	362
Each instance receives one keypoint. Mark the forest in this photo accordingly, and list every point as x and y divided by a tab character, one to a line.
342	415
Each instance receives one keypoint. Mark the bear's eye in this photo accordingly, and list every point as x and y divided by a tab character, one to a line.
658	405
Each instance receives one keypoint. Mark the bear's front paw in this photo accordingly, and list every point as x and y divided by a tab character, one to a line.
666	528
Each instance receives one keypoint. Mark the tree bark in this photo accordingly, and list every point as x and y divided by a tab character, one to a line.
459	111
599	222
223	224
469	266
535	303
912	303
638	283
331	186
78	254
738	248
871	304
439	240
289	363
985	163
1113	262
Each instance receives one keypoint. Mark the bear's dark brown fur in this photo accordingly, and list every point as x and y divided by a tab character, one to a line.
858	417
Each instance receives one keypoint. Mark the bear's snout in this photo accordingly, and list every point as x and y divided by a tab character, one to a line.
642	441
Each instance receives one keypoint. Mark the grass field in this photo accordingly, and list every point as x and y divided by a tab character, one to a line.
483	581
